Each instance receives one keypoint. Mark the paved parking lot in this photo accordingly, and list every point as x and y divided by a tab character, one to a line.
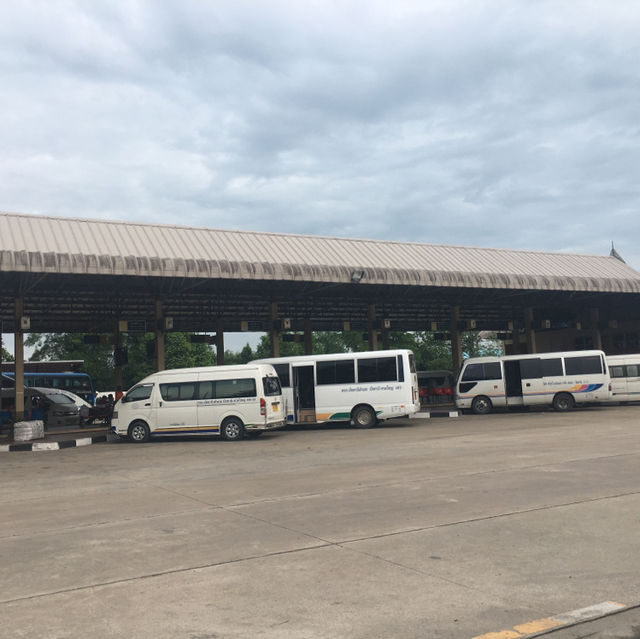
421	528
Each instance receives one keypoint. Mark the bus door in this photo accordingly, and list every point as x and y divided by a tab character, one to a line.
304	393
513	382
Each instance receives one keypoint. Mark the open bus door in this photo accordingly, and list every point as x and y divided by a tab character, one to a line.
513	382
304	393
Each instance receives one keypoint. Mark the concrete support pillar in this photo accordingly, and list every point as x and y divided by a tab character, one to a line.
274	330
515	337
371	327
594	319
456	340
529	329
385	339
18	346
117	346
220	342
308	338
160	362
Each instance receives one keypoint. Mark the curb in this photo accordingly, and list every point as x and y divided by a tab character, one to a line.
68	443
435	414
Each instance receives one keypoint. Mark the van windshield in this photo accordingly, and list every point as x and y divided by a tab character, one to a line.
271	386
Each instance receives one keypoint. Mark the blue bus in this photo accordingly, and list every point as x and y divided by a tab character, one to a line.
80	384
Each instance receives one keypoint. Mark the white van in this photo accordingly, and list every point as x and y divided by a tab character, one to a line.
230	401
560	380
625	377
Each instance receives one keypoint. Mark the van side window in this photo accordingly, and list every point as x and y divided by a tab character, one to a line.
530	368
632	370
205	390
583	365
177	392
480	372
551	367
617	371
230	388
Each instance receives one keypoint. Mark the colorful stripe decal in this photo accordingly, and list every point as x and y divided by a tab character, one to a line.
579	388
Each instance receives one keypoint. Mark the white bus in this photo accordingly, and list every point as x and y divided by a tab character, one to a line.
625	377
361	388
230	401
561	380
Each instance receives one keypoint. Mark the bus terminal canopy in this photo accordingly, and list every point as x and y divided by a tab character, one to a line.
84	275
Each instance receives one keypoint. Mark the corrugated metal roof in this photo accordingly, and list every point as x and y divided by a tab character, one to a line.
64	245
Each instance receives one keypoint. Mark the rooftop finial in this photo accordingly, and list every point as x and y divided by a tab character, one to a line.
615	253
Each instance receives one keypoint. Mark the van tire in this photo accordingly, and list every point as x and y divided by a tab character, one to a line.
232	429
139	432
363	416
563	402
481	405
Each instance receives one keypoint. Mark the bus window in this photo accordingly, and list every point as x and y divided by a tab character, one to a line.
283	374
335	372
377	369
584	365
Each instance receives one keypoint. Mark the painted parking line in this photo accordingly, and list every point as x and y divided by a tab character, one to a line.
530	628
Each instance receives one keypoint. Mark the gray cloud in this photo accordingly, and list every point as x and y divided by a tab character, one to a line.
473	123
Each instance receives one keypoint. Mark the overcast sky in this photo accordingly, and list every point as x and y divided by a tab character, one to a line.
480	123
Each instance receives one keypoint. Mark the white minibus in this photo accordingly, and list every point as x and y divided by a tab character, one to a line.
361	388
230	401
561	380
625	377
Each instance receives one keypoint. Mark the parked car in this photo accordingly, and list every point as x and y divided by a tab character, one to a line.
54	407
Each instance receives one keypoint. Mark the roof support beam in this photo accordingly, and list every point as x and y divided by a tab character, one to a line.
160	363
529	330
371	327
456	340
18	345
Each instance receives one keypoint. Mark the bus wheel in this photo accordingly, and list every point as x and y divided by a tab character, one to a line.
232	429
138	432
481	405
563	402
363	416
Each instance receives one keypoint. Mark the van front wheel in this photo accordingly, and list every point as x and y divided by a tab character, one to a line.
232	429
138	432
481	405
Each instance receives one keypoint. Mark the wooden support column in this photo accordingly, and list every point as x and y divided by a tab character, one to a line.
529	330
117	369
515	337
385	339
160	361
18	349
371	327
220	342
308	338
594	319
274	330
456	340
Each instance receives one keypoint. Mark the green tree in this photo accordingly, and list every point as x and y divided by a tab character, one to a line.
98	358
6	356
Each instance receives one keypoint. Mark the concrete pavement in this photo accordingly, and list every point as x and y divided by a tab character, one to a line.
452	528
